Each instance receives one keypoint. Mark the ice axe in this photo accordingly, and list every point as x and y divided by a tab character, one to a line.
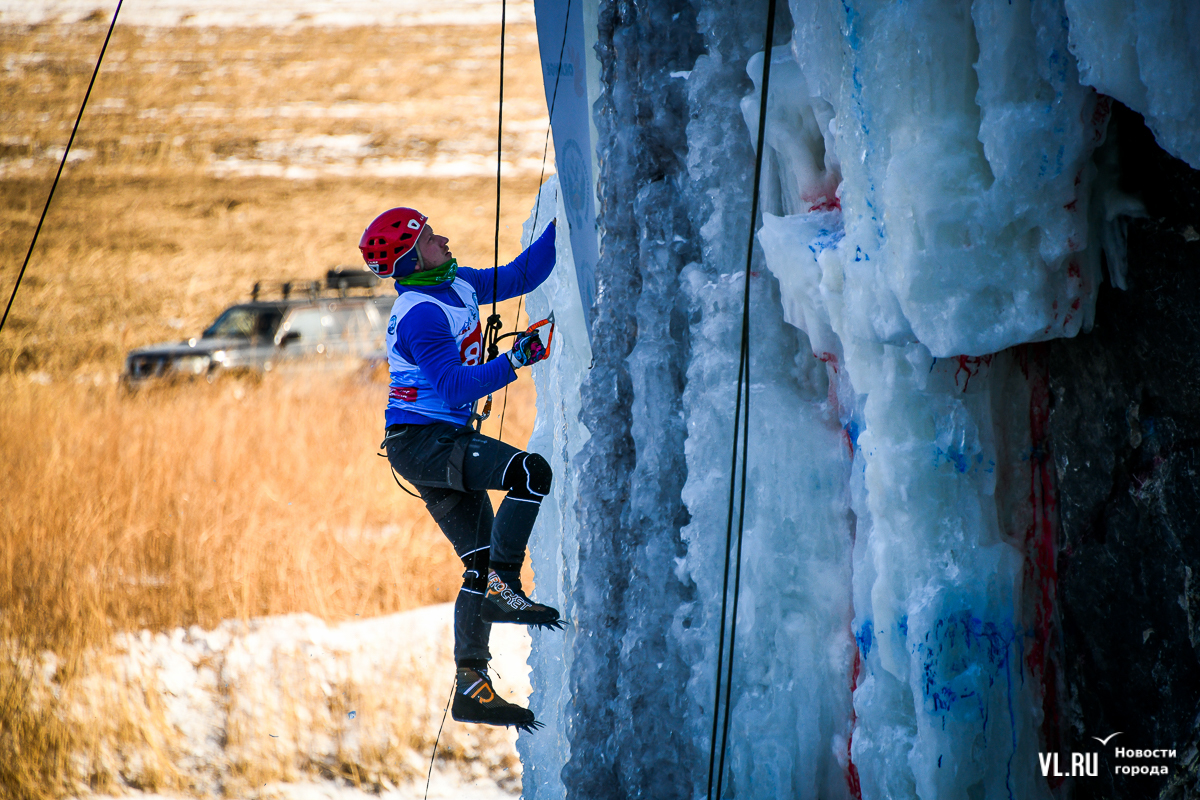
549	337
478	419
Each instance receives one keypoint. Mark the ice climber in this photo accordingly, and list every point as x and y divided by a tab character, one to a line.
435	359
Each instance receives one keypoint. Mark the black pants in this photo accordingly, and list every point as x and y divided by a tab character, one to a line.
452	468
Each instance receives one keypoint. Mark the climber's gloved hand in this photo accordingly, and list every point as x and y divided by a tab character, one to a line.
526	350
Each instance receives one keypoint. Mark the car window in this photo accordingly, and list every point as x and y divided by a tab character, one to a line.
310	323
350	324
383	305
245	322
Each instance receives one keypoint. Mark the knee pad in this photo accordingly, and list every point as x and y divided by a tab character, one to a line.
540	474
528	477
475	577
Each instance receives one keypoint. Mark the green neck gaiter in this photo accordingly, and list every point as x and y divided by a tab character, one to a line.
431	277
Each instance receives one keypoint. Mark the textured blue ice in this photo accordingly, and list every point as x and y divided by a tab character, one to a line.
933	197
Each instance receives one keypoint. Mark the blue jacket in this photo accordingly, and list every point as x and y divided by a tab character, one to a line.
438	373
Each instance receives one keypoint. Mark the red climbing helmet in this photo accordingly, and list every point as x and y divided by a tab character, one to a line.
389	244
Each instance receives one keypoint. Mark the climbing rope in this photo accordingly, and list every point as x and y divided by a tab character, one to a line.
541	177
446	710
61	164
741	417
491	336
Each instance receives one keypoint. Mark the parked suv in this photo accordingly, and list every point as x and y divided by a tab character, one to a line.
321	326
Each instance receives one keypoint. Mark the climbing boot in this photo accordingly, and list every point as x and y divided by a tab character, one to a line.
475	700
505	602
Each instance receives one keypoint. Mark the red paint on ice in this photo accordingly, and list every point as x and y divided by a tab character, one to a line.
849	442
831	361
1041	568
824	203
1100	117
971	365
852	780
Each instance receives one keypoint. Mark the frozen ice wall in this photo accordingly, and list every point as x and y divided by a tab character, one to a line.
790	717
1145	53
964	139
554	547
933	207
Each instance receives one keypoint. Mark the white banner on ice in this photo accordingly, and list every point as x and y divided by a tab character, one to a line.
564	41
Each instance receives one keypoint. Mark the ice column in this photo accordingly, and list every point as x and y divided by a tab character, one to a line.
626	674
947	703
963	140
790	720
558	435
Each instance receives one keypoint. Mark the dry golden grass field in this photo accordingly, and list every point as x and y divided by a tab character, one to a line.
196	503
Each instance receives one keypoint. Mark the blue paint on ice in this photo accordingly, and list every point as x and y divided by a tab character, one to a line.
852	430
826	240
865	637
961	657
959	460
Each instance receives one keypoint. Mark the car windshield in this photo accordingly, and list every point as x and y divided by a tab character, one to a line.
245	322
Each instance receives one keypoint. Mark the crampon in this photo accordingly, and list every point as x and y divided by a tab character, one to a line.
475	700
505	602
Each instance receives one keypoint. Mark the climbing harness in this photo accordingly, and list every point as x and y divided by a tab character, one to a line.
741	416
383	446
61	164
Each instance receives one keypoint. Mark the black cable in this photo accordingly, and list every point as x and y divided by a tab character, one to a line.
737	412
429	775
397	479
494	326
743	385
61	164
504	401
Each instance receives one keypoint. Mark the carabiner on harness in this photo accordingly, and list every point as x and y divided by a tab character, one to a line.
477	419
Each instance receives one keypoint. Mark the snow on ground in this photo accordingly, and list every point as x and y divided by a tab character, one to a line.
290	707
166	13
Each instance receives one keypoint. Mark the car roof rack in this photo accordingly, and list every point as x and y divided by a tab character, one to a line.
343	278
338	281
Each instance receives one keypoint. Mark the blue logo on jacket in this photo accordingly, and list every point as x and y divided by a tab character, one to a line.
392	325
